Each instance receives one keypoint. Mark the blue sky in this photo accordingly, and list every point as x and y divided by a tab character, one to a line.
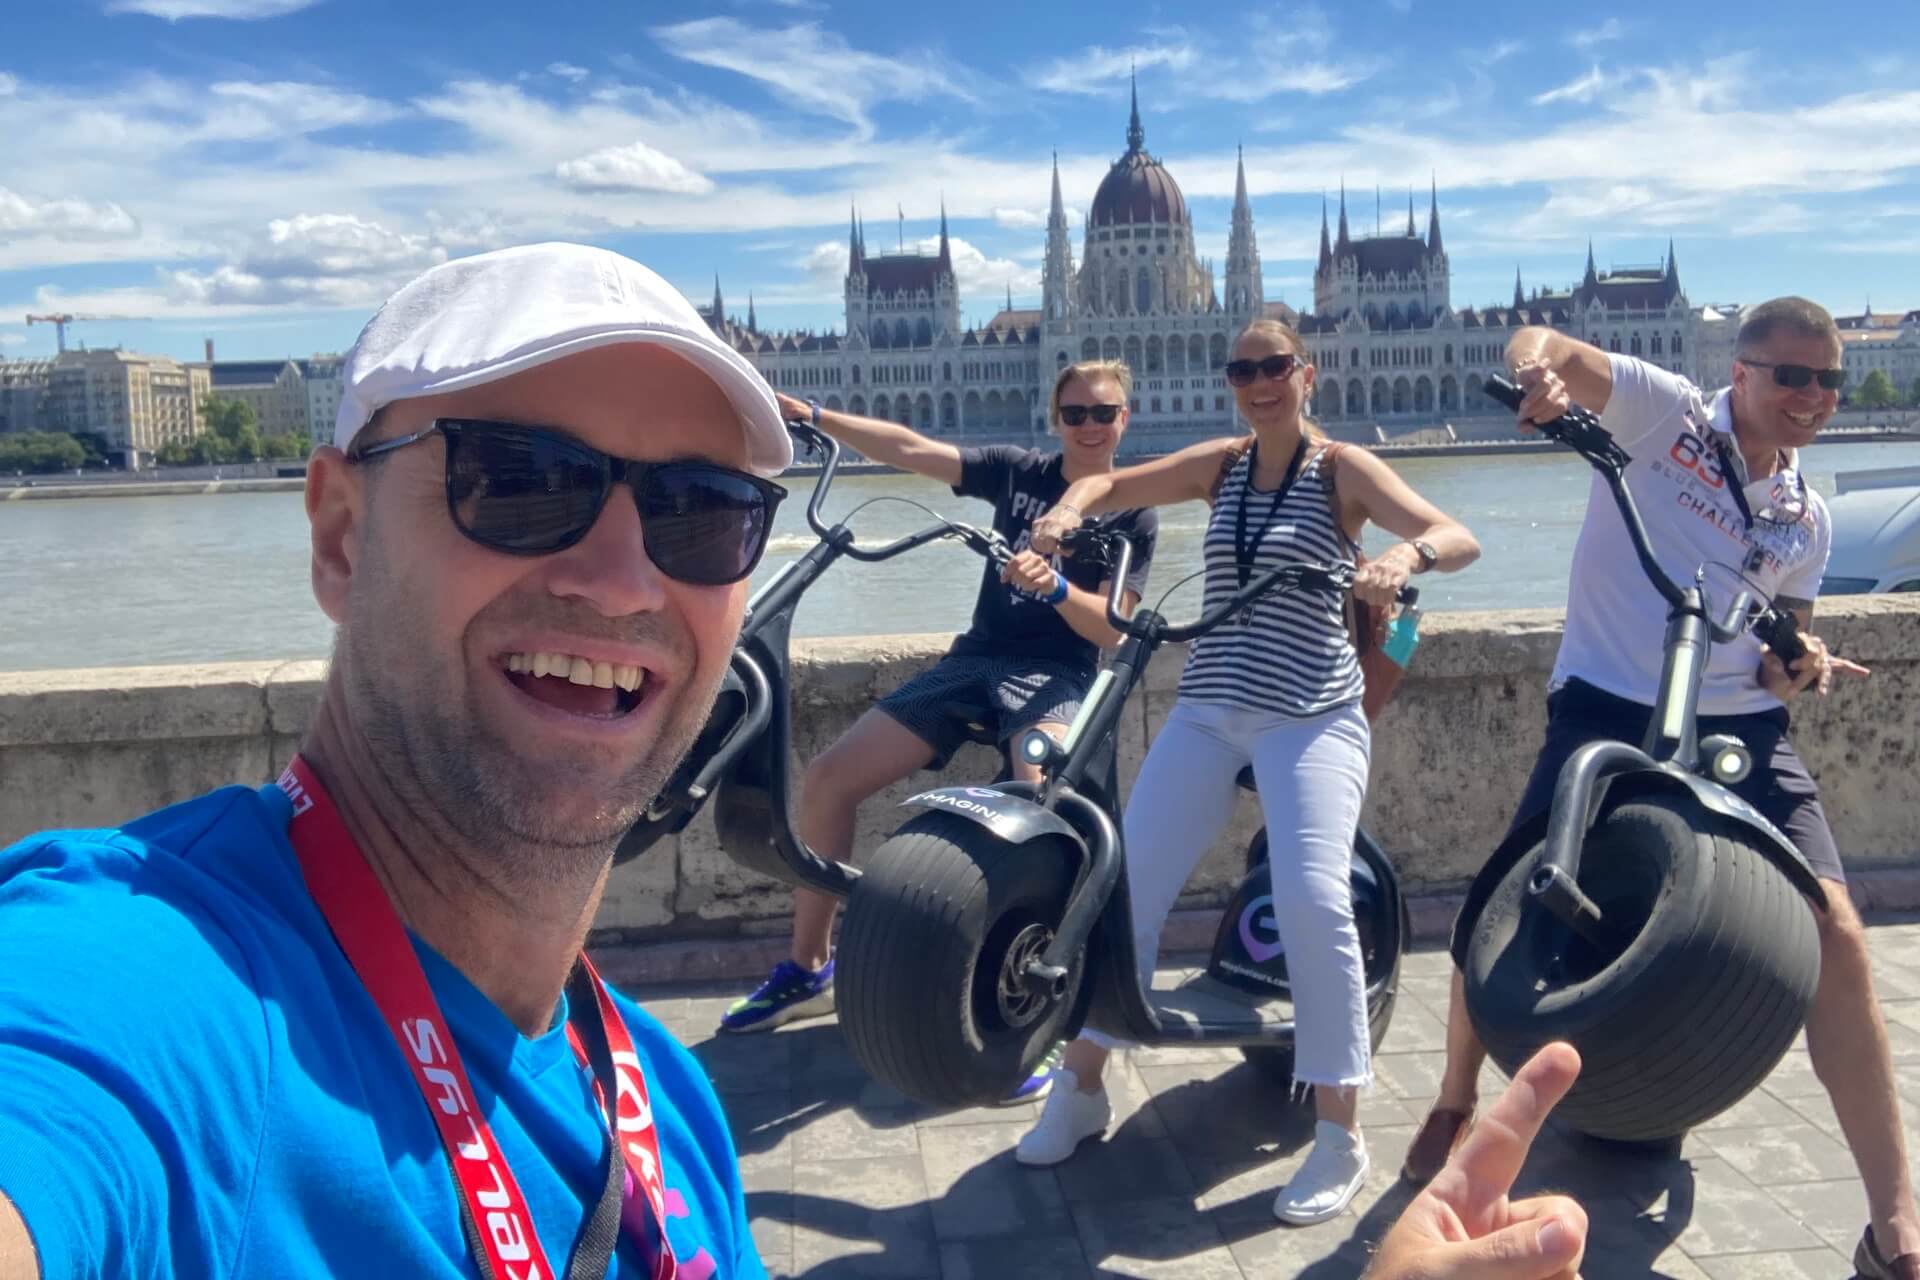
262	172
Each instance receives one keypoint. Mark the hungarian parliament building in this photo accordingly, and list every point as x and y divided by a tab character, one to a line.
1394	356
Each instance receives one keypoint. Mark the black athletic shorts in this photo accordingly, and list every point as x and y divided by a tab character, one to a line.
1017	693
1779	786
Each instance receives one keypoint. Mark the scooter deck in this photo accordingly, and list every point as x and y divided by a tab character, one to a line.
1206	1008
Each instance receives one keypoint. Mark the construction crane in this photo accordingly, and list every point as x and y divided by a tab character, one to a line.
60	321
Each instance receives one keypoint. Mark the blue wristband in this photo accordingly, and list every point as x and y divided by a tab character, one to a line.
815	406
1059	588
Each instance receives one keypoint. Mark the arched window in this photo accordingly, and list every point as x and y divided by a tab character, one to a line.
1143	292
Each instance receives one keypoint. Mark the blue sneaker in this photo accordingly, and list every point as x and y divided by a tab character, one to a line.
1039	1084
789	993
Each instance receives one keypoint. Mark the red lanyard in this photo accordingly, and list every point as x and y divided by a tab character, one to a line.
369	931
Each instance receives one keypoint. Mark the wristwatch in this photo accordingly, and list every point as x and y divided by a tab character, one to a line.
815	406
1428	556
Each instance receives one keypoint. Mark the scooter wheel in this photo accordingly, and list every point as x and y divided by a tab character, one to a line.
1707	978
934	996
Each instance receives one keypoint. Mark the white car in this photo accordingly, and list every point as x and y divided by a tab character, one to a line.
1876	532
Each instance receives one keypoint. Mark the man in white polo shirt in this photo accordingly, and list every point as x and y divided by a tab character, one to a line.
1717	480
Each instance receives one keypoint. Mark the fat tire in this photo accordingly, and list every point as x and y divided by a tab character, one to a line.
910	967
1706	996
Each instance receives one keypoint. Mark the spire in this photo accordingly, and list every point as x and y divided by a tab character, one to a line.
946	254
1009	295
854	255
753	321
1519	298
1239	179
1592	277
1433	220
1326	245
719	304
1058	210
1136	136
1673	272
1345	240
1411	233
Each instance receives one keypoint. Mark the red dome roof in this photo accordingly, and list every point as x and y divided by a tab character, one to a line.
1138	189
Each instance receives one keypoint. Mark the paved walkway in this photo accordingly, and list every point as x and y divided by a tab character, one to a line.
845	1177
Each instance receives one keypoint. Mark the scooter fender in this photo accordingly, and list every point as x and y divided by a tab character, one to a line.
1011	818
1713	797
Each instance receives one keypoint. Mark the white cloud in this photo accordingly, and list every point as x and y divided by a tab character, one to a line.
174	10
567	71
11	339
63	219
1022	219
1611	29
1584	89
1501	52
1266	59
8	84
244	110
633	167
1094	69
328	260
814	69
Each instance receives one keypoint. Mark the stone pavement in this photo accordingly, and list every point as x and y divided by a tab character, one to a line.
845	1177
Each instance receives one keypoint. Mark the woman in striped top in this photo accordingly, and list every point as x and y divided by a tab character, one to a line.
1279	688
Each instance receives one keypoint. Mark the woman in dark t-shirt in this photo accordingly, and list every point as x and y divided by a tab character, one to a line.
1030	653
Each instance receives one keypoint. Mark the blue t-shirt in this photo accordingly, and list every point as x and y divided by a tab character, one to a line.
194	1083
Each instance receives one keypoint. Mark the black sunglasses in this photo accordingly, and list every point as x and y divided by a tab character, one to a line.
1278	367
1075	414
532	491
1799	375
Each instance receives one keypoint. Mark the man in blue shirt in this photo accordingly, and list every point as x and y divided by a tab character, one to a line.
339	1027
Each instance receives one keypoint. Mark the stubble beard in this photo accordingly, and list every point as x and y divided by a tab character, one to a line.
530	821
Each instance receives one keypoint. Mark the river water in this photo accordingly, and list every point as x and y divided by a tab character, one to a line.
100	582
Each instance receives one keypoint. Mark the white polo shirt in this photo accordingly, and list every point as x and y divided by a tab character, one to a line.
1616	621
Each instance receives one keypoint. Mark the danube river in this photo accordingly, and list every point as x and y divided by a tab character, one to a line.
131	581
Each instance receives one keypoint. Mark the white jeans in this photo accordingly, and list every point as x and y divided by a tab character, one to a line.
1312	776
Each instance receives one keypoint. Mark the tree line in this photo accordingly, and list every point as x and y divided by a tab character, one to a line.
232	435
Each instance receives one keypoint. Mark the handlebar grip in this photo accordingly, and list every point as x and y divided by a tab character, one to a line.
1779	630
1409	596
1505	391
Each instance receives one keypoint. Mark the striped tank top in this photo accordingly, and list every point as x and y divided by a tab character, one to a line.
1294	658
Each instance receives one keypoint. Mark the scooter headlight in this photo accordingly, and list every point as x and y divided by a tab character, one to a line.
1036	747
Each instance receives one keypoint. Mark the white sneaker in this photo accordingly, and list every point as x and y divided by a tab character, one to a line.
1327	1180
1069	1118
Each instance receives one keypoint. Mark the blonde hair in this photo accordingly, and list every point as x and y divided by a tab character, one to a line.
1291	336
1087	371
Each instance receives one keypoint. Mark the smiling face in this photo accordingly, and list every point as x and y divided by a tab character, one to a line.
1270	402
1092	443
536	700
1769	414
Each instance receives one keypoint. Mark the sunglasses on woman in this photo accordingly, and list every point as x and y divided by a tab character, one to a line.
1076	414
1277	367
532	491
1799	375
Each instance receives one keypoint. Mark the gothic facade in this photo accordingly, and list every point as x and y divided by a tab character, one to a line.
1393	354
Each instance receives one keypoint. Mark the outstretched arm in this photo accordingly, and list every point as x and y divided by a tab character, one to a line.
1186	476
17	1260
883	442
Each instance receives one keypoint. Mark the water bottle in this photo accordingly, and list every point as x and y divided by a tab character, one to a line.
1403	636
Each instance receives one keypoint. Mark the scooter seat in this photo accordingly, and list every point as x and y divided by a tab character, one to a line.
976	719
1245	779
1206	1007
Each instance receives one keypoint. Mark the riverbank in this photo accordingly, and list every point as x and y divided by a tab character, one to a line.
139	485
